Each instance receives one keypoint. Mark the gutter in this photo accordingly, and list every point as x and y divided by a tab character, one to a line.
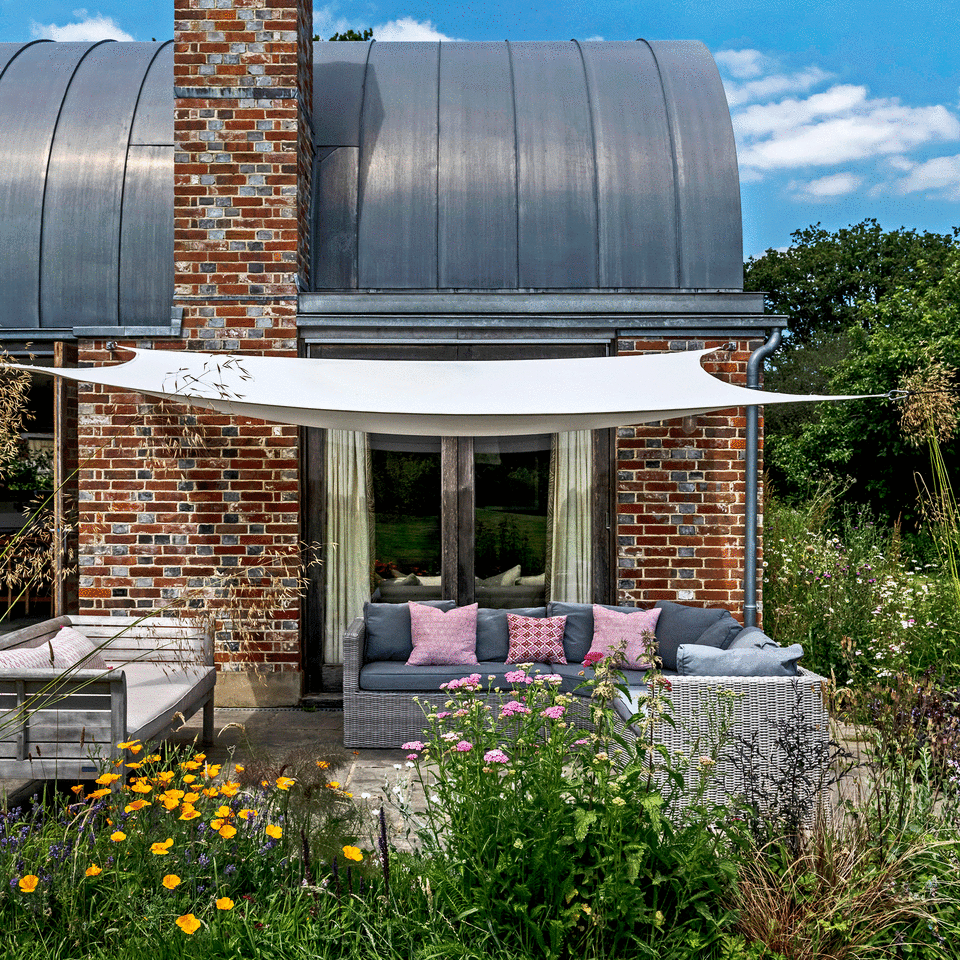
754	367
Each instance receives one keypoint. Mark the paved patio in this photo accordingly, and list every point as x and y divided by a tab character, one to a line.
279	739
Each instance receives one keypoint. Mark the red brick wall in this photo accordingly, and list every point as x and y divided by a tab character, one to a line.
158	524
680	497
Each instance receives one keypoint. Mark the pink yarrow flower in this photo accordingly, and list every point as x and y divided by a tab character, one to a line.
443	714
495	756
517	676
553	713
413	745
592	658
512	708
413	756
464	746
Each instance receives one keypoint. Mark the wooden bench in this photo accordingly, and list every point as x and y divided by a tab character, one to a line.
55	725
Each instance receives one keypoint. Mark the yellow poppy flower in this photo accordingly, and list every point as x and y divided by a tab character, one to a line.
334	784
188	923
246	813
210	791
285	783
224	811
29	883
200	756
102	792
353	853
93	871
77	789
216	824
227	831
212	770
135	748
153	758
191	797
107	778
273	831
171	881
117	836
172	794
189	813
191	765
128	745
136	805
224	903
164	777
170	803
136	765
162	847
189	778
229	789
323	765
141	787
239	767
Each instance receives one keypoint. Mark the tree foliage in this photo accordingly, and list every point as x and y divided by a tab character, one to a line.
349	35
859	323
823	280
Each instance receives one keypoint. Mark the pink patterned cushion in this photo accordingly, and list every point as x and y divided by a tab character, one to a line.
442	636
535	639
611	628
69	648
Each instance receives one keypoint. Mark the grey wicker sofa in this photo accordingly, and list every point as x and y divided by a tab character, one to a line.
380	709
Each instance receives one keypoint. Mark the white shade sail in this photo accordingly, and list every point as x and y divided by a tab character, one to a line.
433	397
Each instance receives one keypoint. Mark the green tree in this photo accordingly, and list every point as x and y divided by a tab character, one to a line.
862	439
349	35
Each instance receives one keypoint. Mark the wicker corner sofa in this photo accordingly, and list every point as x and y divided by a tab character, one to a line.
386	718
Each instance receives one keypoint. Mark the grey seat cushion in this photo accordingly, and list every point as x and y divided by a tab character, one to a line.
695	660
678	624
388	629
388	675
575	674
578	630
493	632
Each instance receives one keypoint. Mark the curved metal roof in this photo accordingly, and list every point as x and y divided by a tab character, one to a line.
591	165
86	191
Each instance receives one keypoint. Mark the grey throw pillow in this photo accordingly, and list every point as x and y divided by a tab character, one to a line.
493	633
721	633
694	660
752	638
679	623
388	629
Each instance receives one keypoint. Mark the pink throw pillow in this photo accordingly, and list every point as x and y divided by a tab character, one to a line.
442	636
611	628
535	639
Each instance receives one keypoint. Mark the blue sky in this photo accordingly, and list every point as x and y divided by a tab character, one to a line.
842	110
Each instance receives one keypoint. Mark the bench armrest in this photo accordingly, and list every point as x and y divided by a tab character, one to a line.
354	647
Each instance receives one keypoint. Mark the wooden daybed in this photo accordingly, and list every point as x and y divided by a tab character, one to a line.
55	726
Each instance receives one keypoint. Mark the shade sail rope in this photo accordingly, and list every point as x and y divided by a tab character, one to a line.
468	398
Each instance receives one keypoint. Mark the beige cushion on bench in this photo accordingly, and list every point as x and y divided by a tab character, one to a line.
156	690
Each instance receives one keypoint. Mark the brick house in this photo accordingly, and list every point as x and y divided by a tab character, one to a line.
242	190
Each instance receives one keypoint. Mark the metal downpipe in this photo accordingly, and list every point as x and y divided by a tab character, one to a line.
754	366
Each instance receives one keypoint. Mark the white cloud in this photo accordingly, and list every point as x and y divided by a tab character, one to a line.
406	28
838	126
742	64
87	28
776	84
824	188
941	174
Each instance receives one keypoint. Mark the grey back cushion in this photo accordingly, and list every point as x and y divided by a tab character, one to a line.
578	630
679	624
752	638
696	660
493	632
388	629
